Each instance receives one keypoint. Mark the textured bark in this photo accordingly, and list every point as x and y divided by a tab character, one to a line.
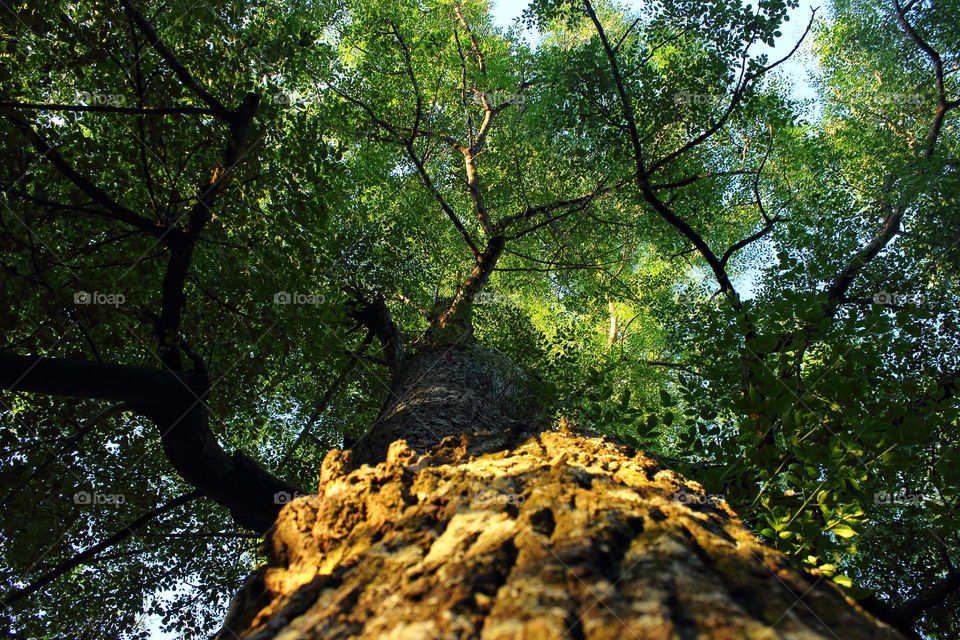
562	535
445	391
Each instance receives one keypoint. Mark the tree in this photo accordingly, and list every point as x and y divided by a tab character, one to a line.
358	224
564	535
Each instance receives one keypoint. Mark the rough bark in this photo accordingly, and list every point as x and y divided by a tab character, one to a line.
445	391
562	535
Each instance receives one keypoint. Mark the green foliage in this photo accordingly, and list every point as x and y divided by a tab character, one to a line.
838	446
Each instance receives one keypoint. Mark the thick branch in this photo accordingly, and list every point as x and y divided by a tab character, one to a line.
641	173
184	76
175	401
943	105
458	316
718	268
105	108
841	283
477	52
903	616
375	316
476	191
113	209
94	380
935	596
182	242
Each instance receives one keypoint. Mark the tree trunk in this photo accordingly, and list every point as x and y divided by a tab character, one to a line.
503	534
448	390
564	534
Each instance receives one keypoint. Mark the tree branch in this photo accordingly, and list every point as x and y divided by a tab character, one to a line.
942	104
691	179
734	101
641	174
447	209
176	403
902	617
407	144
113	209
841	283
375	316
740	244
533	211
184	76
673	365
458	315
103	108
90	552
183	241
68	442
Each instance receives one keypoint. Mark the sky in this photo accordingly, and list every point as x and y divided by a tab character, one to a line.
506	11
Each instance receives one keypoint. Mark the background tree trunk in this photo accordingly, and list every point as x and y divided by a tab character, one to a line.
563	535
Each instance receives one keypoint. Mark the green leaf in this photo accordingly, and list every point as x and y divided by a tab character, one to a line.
844	531
666	399
843	580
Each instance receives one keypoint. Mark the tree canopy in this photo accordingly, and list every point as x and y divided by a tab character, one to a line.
762	291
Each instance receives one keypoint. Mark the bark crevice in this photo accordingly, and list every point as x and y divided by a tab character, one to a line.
452	543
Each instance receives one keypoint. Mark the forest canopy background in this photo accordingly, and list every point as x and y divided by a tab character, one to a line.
760	290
